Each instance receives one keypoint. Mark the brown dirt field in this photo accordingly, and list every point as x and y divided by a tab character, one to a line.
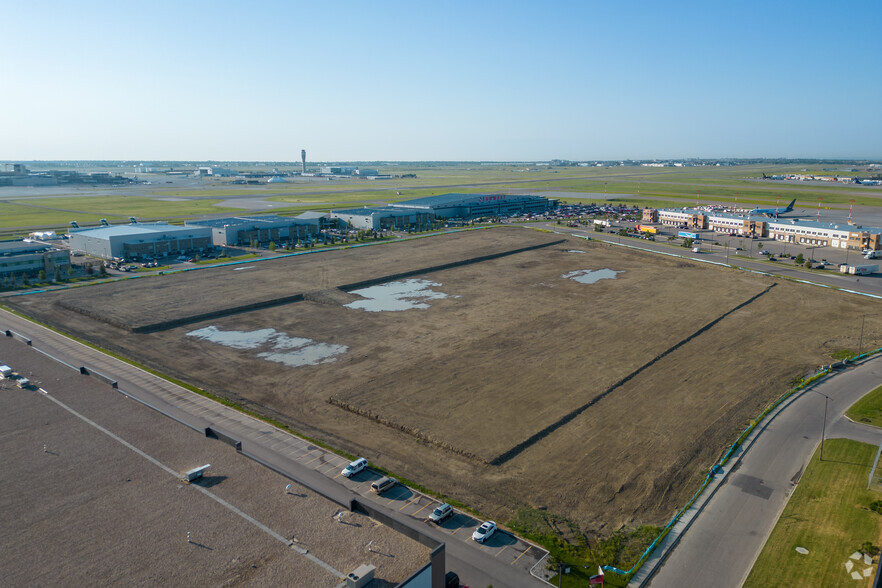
437	395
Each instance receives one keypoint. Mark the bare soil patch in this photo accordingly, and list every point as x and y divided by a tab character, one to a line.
621	391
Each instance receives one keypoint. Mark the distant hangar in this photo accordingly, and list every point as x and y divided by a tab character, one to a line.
420	211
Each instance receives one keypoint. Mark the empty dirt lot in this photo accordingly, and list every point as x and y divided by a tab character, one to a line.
601	401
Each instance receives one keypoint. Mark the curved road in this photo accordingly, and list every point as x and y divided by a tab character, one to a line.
725	539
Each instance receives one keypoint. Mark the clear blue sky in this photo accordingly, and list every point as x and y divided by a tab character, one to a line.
512	81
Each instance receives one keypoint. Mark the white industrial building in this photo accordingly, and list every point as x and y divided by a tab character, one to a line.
381	217
140	240
242	230
20	257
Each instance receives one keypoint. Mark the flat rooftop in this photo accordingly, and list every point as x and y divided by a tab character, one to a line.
13	247
273	219
85	505
133	230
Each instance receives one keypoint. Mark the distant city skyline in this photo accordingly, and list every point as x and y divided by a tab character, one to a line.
455	81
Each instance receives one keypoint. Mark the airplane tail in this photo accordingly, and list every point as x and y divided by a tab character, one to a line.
790	206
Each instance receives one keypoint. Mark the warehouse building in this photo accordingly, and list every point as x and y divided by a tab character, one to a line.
816	234
19	257
801	232
243	230
737	224
140	240
470	206
383	218
684	218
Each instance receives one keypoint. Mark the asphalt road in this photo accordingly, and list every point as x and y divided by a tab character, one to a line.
713	253
722	544
504	561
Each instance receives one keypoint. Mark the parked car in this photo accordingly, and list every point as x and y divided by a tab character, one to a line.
355	467
440	514
451	580
484	532
383	484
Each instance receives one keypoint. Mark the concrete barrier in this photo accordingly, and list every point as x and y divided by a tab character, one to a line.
19	336
99	376
214	434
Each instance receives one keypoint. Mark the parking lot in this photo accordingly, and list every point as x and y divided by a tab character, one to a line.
503	546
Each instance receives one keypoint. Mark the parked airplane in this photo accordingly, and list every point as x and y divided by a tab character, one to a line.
775	211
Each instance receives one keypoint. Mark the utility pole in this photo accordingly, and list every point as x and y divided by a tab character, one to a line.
824	425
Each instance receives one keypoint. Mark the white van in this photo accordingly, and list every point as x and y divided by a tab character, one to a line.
5	371
383	484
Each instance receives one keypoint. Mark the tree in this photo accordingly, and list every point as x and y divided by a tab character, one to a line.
687	242
41	275
272	246
799	259
70	271
808	264
57	277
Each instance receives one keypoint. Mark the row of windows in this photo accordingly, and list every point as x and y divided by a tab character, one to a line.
18	263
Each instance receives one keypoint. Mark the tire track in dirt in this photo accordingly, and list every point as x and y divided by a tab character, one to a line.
510	454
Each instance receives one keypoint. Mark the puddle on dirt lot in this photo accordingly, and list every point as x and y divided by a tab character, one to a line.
591	276
291	351
575	251
397	296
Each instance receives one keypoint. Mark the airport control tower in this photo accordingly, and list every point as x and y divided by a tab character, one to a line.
303	161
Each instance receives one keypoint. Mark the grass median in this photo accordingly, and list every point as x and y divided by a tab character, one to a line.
829	515
868	409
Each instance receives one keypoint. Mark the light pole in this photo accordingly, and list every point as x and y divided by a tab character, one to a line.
824	425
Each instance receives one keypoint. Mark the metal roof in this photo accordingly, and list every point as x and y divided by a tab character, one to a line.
456	199
132	230
269	219
365	211
13	247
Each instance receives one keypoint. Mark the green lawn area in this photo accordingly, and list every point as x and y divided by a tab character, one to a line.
89	210
868	409
829	515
